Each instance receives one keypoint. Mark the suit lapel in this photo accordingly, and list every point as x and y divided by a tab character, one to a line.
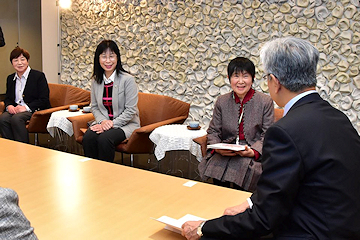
115	94
12	86
29	87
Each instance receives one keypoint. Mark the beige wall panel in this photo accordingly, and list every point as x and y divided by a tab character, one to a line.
26	33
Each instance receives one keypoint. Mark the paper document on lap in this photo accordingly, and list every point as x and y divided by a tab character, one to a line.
227	146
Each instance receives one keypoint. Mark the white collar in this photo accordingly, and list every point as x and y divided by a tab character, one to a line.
110	79
25	75
295	99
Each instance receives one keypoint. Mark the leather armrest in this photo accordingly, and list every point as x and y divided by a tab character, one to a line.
49	111
79	124
2	107
141	135
40	119
55	109
149	128
202	141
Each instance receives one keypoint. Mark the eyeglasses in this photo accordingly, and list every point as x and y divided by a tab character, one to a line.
265	77
112	57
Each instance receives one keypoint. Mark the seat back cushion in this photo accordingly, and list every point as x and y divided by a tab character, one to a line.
57	94
76	95
155	108
62	94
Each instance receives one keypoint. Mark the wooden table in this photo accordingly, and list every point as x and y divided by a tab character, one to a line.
66	197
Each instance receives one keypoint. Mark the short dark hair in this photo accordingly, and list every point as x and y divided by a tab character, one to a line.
241	64
98	70
17	52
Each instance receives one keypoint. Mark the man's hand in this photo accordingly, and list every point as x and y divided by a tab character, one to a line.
237	209
189	230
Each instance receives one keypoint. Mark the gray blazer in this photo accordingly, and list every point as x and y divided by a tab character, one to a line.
224	127
124	100
13	223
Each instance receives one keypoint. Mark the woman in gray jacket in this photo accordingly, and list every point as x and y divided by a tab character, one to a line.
241	116
114	97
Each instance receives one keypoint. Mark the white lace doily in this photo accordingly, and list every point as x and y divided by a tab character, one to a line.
59	119
176	137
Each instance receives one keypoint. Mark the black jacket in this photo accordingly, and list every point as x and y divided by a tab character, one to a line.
310	187
36	92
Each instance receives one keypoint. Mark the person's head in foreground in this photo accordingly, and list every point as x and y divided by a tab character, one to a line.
289	63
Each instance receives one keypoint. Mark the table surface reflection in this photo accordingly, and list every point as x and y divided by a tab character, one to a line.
67	196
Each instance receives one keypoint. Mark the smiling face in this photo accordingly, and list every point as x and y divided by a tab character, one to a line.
108	61
241	83
20	64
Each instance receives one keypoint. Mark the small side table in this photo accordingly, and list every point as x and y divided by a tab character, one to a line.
173	138
60	128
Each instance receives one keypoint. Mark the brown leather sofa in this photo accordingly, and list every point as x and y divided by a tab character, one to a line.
154	111
202	141
61	96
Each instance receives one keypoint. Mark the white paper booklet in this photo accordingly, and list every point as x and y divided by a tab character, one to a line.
227	146
175	224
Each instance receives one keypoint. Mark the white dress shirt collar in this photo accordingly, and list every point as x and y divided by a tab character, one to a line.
295	99
25	75
110	79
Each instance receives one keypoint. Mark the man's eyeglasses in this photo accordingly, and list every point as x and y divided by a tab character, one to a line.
266	76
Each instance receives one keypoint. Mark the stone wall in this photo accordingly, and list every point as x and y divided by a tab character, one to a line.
182	48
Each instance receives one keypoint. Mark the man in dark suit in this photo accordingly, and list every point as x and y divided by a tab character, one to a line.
27	91
13	223
310	185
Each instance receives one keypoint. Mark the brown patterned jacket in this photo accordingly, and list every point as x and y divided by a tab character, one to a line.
224	127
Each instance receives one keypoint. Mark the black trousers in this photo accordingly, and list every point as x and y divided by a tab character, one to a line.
102	146
13	126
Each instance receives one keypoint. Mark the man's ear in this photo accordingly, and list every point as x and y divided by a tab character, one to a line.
277	85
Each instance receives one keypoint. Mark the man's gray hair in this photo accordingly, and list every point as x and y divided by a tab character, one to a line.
292	61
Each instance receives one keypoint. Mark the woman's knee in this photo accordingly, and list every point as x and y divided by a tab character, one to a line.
112	136
19	118
104	139
89	137
2	119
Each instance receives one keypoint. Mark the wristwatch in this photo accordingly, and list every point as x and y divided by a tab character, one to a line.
199	229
